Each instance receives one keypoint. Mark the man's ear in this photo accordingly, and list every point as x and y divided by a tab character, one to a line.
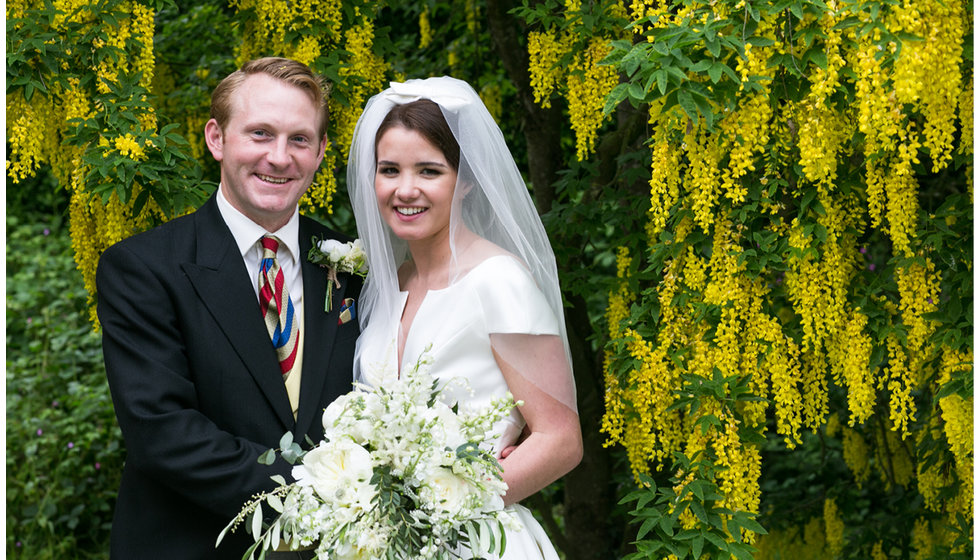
214	138
323	147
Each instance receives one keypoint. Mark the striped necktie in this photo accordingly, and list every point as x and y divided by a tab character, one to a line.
276	306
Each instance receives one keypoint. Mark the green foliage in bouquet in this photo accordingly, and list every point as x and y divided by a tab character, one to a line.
401	474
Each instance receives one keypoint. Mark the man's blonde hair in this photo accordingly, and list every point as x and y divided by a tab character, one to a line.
283	69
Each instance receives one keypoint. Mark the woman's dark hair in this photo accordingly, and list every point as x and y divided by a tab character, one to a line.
425	117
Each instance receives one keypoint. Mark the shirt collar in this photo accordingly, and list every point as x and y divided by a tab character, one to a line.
247	233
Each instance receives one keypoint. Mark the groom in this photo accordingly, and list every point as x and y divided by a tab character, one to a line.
199	389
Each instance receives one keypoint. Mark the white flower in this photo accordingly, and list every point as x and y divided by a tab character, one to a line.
445	491
340	257
398	470
339	472
447	429
335	250
332	414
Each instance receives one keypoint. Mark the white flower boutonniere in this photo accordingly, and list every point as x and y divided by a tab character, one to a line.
338	257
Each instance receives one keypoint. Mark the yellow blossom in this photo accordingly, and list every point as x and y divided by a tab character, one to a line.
545	50
856	455
833	527
588	85
129	147
425	29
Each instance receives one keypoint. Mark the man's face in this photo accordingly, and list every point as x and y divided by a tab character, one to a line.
269	150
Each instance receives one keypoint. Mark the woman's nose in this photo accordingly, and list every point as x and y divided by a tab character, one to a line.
406	189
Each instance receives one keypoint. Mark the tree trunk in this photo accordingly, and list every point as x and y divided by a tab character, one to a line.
588	498
542	127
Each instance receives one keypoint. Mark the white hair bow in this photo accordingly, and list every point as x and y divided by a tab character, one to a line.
450	93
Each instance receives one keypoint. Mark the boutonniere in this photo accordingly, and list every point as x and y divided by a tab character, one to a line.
338	257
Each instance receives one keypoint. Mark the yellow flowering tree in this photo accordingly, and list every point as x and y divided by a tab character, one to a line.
799	279
78	102
89	100
762	214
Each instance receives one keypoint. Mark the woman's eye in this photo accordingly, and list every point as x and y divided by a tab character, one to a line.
387	171
430	172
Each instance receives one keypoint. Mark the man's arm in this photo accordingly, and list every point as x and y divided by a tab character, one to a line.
155	392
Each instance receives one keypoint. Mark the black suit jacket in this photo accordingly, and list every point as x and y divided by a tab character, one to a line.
196	383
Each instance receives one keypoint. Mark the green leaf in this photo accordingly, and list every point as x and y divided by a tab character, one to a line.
662	80
636	92
715	71
686	102
699	512
701	65
741	551
615	97
256	525
697	544
751	524
268	457
716	540
646	527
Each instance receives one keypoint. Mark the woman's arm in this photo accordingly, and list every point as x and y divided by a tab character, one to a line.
536	370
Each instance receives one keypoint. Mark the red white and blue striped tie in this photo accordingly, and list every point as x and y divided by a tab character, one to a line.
276	306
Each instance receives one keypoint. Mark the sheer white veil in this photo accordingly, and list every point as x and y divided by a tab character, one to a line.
490	198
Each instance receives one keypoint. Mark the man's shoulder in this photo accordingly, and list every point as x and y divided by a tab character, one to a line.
170	239
163	233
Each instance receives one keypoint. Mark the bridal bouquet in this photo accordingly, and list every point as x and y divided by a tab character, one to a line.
399	475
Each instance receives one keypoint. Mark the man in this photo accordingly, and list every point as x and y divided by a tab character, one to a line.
189	328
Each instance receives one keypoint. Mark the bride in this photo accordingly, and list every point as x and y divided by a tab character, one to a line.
460	262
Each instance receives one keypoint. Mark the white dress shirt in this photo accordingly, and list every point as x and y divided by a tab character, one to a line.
248	236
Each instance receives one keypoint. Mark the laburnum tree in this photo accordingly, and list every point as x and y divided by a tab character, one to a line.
762	213
790	338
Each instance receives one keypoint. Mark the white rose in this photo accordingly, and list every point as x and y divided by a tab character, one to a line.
448	430
447	492
338	471
334	249
332	414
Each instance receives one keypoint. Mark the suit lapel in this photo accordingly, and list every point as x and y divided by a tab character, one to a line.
321	327
221	282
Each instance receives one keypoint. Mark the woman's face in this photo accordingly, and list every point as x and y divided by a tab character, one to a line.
414	184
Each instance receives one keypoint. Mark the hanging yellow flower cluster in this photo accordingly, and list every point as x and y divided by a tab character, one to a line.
39	127
425	29
561	54
957	417
588	84
322	27
780	286
545	49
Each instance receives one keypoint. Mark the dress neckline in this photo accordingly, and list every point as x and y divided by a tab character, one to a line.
458	281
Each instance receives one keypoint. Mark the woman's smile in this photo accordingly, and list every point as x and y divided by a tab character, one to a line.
414	185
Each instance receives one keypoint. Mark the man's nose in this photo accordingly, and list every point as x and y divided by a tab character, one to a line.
278	153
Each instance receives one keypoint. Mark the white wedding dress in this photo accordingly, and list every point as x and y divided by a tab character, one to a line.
455	324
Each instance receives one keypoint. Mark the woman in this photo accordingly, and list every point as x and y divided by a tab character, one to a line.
461	265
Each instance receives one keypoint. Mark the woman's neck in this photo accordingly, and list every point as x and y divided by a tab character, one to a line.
431	261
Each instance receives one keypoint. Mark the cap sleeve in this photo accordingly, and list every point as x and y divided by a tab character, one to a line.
511	302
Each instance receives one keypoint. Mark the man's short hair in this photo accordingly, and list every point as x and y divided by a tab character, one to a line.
284	69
